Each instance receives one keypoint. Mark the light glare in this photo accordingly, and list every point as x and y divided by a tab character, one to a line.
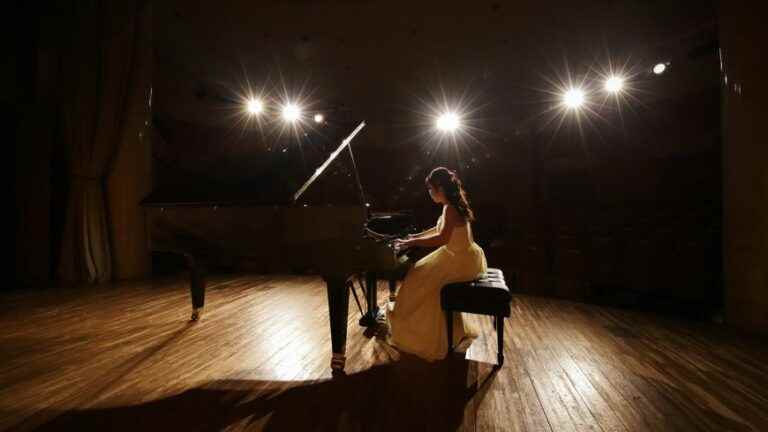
291	112
254	106
614	84
659	68
573	98
448	122
319	118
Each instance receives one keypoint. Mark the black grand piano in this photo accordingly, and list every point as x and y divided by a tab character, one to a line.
342	243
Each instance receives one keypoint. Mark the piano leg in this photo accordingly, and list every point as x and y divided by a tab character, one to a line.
369	319
338	310
196	286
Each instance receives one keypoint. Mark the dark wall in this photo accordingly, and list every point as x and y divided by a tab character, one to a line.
745	166
625	209
628	217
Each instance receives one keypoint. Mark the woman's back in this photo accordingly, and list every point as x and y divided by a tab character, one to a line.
461	237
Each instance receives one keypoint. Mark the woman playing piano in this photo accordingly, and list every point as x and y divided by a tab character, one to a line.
417	322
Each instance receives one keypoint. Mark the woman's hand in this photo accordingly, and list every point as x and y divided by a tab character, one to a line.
401	244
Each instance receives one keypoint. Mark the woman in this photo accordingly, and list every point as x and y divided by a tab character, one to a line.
417	322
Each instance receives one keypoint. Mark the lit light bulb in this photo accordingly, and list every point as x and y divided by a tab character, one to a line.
254	106
448	122
291	112
573	98
614	84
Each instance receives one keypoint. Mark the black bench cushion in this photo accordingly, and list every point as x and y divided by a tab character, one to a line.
487	295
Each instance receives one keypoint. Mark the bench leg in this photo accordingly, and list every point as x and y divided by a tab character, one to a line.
500	335
449	327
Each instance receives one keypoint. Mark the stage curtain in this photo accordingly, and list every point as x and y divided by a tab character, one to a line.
130	178
100	69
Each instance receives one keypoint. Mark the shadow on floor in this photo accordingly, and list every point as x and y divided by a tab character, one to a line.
405	395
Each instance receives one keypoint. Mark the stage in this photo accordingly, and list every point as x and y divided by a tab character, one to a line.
124	357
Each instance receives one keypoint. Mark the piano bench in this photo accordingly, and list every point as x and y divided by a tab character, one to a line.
487	295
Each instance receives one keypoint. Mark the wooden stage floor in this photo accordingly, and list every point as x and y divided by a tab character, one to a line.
124	357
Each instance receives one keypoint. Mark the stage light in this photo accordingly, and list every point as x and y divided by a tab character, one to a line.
573	98
614	84
291	112
254	106
659	68
319	118
448	122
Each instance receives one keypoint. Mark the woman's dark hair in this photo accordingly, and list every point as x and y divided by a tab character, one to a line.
453	190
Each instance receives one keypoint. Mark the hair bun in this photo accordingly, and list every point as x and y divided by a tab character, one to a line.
454	190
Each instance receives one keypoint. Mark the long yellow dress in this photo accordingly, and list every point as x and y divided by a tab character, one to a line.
416	321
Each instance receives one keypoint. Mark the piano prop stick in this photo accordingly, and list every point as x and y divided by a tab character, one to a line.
338	288
319	171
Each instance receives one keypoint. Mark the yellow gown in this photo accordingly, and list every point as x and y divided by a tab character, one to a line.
416	321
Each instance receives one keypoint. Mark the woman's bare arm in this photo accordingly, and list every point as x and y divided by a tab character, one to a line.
425	233
441	237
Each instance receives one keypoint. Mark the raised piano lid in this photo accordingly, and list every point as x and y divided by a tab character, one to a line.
335	188
224	209
240	172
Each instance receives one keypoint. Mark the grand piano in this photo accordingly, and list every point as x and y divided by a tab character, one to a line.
341	243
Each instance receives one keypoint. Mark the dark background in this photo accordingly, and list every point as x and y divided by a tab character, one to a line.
623	207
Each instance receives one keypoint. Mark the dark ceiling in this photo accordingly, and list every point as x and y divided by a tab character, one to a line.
390	63
378	59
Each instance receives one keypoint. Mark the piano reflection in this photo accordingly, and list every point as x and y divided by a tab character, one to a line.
339	242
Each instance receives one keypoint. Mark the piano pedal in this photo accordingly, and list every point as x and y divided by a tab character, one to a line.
196	314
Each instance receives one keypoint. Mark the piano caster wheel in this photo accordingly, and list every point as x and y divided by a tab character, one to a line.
196	313
337	362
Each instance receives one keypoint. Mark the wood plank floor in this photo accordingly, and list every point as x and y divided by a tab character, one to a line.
124	357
